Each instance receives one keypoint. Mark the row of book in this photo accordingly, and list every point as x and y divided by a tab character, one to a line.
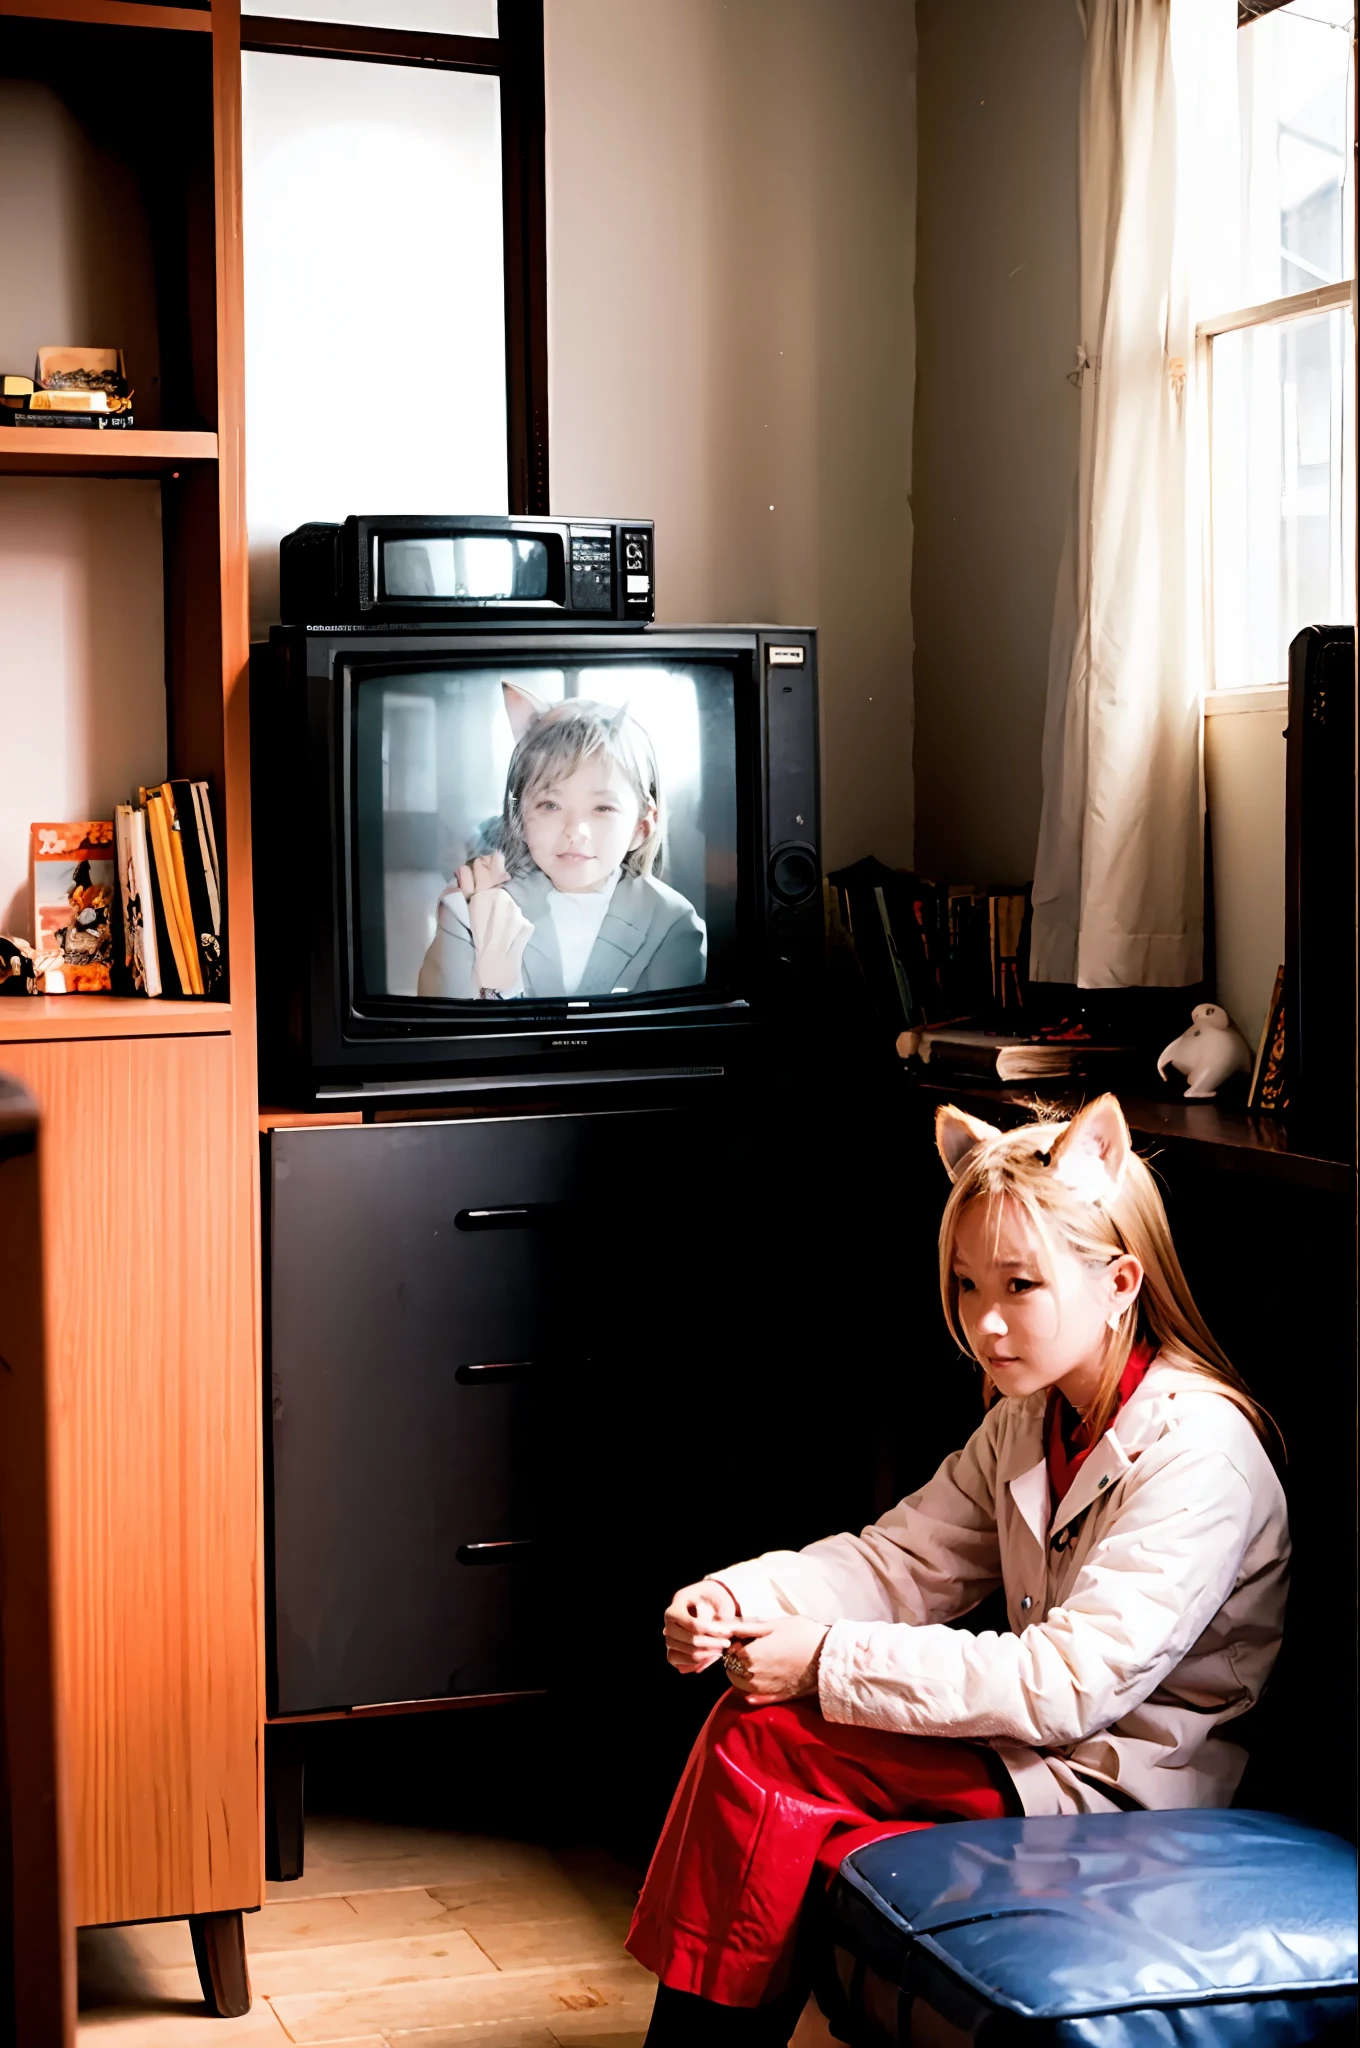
168	938
945	966
932	951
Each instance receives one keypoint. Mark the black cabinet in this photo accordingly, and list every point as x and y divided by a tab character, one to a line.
408	1347
640	1343
517	1362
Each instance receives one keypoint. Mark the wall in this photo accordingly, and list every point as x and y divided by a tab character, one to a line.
75	257
996	420
731	196
1244	772
82	659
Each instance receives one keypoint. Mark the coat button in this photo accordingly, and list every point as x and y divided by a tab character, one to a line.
1102	1482
1026	1604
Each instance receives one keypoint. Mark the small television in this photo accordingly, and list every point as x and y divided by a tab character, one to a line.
510	852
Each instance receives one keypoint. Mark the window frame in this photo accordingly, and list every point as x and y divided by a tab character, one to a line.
1270	313
515	57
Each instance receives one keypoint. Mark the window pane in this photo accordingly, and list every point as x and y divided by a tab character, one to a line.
1295	110
374	295
439	17
1283	491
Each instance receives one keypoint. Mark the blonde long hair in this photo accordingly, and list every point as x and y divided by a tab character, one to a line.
1080	1185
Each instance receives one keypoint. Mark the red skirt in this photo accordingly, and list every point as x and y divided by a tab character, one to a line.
770	1795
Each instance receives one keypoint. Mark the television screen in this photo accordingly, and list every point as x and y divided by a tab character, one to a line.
474	566
532	833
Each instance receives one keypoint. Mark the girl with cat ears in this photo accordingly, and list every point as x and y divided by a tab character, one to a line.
568	900
1120	1498
1081	1185
551	742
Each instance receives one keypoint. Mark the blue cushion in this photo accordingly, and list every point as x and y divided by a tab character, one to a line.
1109	1930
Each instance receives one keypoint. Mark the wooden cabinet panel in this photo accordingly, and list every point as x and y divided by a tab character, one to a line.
156	1427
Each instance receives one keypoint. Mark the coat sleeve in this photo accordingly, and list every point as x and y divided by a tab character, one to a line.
449	968
1147	1592
929	1559
680	960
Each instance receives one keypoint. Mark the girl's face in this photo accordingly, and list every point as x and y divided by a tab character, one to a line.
579	828
1029	1328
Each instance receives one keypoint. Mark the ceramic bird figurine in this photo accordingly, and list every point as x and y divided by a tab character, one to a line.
1208	1052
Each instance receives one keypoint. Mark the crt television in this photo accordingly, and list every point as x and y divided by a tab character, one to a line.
494	852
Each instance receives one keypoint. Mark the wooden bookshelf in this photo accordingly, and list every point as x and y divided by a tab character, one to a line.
32	1020
150	1188
110	14
35	451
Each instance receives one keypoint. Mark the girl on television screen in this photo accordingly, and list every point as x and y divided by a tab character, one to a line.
568	901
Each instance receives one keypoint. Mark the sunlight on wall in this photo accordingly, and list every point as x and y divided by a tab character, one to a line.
375	325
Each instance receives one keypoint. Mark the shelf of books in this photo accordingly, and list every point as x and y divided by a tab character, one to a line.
34	1019
138	451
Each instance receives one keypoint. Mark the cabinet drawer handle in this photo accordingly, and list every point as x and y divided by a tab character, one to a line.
510	1216
495	1373
493	1553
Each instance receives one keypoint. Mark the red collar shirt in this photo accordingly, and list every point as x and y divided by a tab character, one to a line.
1066	1445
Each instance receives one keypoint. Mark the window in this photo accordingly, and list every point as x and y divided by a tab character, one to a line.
395	296
1281	357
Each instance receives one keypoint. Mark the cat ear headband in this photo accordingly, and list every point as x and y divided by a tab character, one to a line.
1090	1155
524	709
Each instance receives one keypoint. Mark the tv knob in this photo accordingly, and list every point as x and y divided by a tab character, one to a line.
793	874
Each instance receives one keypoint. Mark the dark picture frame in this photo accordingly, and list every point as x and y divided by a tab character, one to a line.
515	57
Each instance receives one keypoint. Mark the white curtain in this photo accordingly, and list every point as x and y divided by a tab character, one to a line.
1118	885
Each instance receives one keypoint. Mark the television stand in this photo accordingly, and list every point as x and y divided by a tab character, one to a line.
481	1328
368	1095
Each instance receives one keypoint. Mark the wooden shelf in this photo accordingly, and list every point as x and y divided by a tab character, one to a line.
27	1019
148	1107
71	451
111	14
307	1119
1218	1134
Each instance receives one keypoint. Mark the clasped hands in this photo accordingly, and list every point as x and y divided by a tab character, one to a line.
768	1661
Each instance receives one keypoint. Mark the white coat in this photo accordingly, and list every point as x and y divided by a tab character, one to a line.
1146	1610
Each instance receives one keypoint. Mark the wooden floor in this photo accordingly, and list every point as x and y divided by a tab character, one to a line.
395	1936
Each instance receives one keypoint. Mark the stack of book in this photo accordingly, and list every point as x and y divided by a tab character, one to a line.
171	940
70	387
1005	1056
